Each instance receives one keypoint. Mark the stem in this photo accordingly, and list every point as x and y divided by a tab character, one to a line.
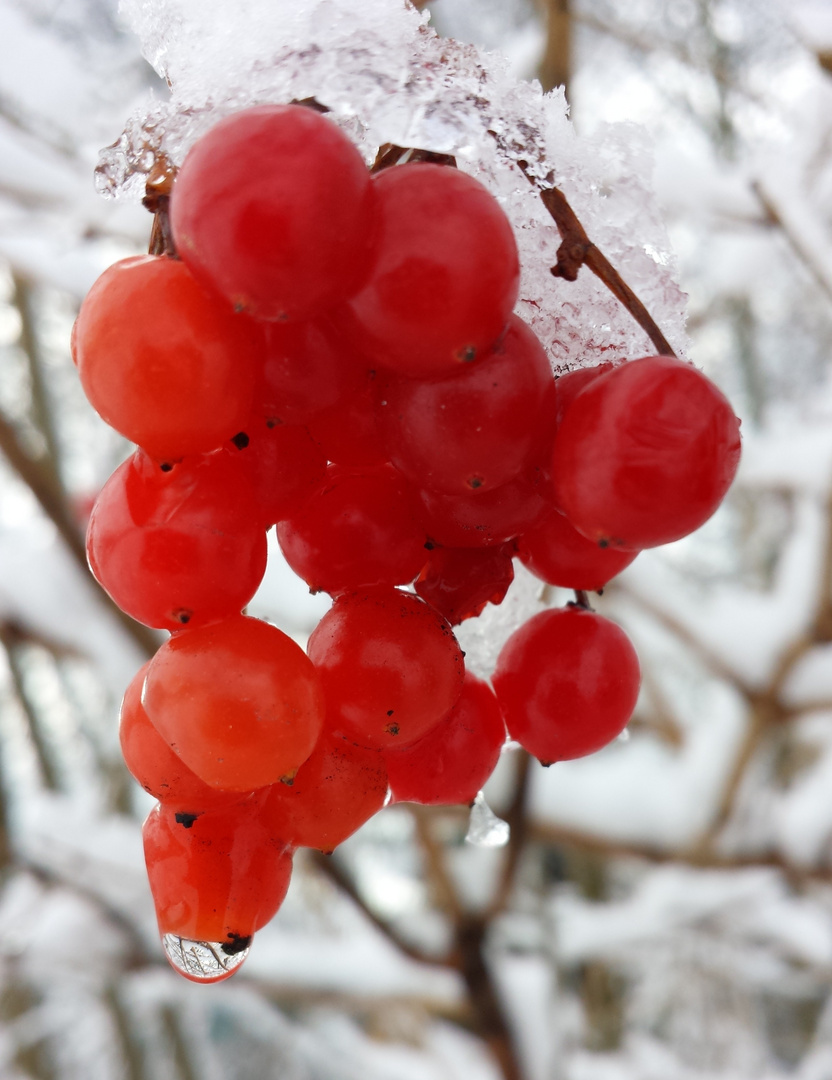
577	250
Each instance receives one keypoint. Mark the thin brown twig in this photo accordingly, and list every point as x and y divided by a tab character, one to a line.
774	217
518	820
577	250
52	502
338	876
443	886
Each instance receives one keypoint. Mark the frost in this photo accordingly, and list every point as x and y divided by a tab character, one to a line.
387	77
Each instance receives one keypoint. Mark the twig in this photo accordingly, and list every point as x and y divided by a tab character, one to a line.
33	474
577	250
517	817
443	885
331	869
798	246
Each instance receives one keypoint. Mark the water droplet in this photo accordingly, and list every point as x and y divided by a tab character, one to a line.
203	961
485	829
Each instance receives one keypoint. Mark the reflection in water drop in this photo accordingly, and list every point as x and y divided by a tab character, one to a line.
205	961
485	829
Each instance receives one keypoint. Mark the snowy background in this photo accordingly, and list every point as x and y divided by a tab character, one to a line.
669	914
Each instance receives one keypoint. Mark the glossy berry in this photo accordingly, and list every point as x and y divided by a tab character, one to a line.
452	762
339	788
349	433
307	368
459	582
156	767
220	878
238	701
567	682
476	429
161	361
283	464
390	666
447	273
274	209
359	528
487	518
180	546
645	454
557	553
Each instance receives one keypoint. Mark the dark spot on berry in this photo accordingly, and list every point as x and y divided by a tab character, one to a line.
166	466
389	712
468	354
546	764
475	482
429	544
241	440
186	820
183	615
392	729
603	543
235	944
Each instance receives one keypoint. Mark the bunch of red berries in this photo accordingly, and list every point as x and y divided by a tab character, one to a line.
334	352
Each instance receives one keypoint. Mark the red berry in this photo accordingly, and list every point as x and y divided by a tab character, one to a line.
283	464
161	361
349	433
359	528
275	210
475	430
459	582
238	701
220	878
156	767
447	273
339	788
307	369
484	518
454	759
181	546
645	454
390	666
567	682
557	553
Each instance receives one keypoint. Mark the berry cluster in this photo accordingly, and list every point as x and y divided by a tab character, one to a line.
335	353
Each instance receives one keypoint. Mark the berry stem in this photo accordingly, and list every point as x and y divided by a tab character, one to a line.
577	250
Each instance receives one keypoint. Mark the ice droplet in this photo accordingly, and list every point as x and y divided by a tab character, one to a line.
485	829
204	961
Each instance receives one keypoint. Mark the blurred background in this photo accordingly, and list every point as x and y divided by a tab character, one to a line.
664	909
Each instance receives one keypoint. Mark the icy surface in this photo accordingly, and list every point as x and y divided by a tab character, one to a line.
485	829
388	78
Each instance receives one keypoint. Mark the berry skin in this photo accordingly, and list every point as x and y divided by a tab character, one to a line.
447	273
459	582
180	546
390	666
453	760
557	553
484	519
567	682
238	701
274	210
161	361
220	878
476	429
156	767
645	454
339	788
283	464
359	528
